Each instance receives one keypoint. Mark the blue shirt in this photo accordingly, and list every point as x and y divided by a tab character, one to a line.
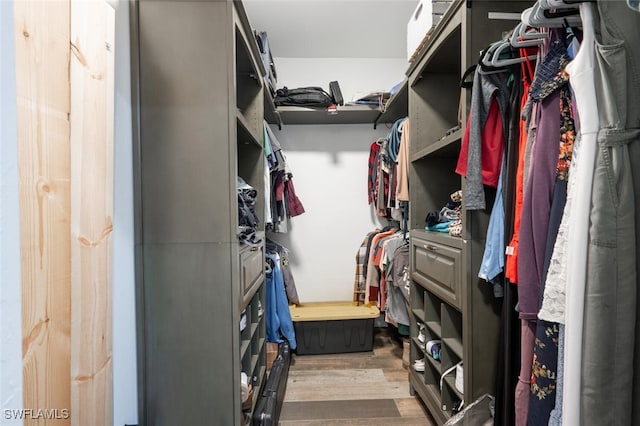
279	323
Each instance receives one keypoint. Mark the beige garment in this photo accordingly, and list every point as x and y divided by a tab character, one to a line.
402	190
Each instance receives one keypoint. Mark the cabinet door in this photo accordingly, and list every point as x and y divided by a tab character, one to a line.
437	267
252	272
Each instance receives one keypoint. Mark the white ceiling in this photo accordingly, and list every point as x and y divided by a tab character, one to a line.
333	28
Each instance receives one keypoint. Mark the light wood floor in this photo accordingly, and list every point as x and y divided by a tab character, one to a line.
364	388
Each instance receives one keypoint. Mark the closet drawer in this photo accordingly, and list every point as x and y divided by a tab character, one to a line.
437	267
251	272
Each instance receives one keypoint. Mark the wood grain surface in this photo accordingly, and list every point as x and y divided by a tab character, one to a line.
328	389
92	92
65	156
42	90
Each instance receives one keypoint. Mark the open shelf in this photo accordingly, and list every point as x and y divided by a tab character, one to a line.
450	381
246	134
252	44
448	146
430	394
419	314
243	347
437	43
271	115
397	106
455	345
434	362
435	327
419	345
348	114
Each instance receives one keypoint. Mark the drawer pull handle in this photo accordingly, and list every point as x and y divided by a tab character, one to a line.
430	247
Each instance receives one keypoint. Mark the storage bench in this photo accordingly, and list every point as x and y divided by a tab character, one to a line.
333	327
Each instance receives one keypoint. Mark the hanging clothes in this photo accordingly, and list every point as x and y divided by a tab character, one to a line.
362	258
283	202
610	385
372	176
538	193
487	89
545	359
492	264
372	283
274	248
525	140
388	172
402	193
398	283
279	325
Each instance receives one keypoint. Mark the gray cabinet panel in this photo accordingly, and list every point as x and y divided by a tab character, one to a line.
438	268
184	121
190	342
192	281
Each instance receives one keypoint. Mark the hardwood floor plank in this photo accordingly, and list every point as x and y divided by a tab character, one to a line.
347	384
330	410
411	407
393	421
353	377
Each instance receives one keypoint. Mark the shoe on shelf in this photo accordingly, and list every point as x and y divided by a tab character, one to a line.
421	334
260	310
418	365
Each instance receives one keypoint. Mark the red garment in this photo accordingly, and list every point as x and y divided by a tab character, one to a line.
279	187
371	177
511	261
294	205
492	147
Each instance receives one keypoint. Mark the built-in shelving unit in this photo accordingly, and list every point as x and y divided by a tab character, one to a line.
201	109
446	295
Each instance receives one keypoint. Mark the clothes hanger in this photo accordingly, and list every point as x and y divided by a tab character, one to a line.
484	63
536	16
556	4
491	62
521	38
578	1
497	62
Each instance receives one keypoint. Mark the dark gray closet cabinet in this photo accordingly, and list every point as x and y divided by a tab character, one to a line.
455	306
199	106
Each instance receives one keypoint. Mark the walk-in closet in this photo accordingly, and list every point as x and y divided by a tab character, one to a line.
357	212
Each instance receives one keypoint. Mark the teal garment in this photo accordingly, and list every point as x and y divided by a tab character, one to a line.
439	227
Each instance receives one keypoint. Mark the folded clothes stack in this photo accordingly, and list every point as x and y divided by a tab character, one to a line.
448	218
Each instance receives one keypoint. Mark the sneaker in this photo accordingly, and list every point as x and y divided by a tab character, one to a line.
418	365
433	348
421	334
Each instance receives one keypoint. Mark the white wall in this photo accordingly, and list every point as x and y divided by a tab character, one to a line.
125	395
329	165
10	284
355	75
